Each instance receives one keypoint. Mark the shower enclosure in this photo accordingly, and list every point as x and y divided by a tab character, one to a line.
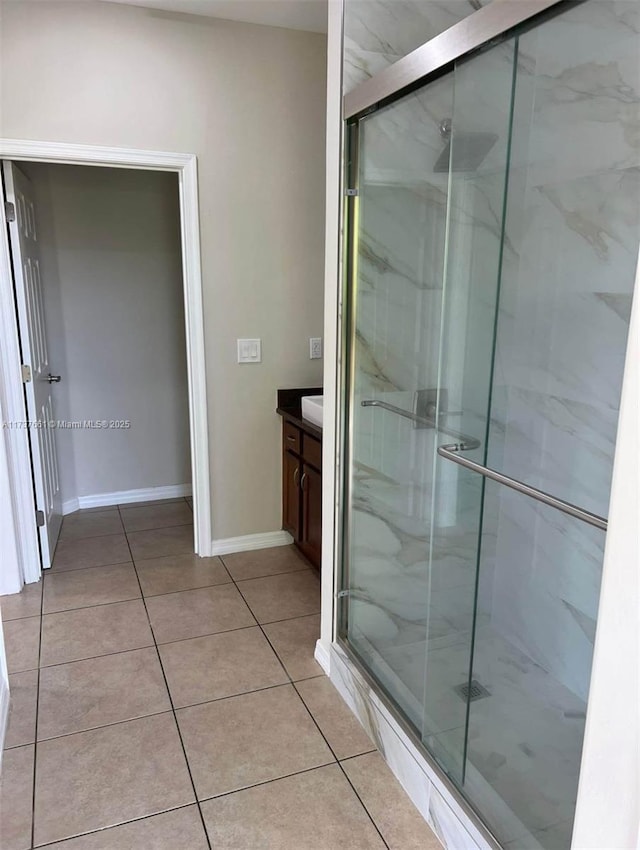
493	231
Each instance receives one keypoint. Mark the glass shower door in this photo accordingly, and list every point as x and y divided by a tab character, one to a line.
427	222
494	240
570	235
400	225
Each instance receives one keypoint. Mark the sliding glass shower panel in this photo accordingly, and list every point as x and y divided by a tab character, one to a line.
570	247
527	714
399	242
476	156
570	252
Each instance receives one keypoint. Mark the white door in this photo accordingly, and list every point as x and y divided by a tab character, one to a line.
40	389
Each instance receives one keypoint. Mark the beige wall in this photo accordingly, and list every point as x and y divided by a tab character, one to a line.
110	262
249	101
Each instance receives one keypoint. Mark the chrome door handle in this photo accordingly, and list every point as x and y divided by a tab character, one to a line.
454	451
53	379
296	476
303	482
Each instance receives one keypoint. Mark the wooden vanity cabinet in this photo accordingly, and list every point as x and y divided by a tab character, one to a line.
291	493
310	541
302	490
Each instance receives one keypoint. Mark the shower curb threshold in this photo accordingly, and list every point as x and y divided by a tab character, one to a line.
435	797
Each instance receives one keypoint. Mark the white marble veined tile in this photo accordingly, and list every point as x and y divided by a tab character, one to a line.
592	88
449	829
562	446
361	64
378	32
556	837
525	739
431	798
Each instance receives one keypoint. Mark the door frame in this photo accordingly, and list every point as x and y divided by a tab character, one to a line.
27	568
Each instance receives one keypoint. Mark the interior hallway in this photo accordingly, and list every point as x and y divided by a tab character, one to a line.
164	701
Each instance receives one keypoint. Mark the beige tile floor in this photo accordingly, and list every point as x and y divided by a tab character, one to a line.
169	702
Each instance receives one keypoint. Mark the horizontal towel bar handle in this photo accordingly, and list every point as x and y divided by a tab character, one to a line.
470	442
454	452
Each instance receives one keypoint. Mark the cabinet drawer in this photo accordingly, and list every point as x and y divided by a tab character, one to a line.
291	437
312	451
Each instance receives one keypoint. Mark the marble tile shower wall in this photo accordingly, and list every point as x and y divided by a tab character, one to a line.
574	223
379	32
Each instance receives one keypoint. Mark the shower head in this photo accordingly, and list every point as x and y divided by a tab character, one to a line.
469	149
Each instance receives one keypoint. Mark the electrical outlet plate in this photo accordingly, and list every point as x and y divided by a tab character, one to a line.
249	351
315	348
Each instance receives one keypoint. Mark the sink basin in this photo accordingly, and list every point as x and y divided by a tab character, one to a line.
312	409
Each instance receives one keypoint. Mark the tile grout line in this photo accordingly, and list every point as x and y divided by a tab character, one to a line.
339	763
172	592
122	533
53	572
106	726
165	710
115	826
151	646
268	782
315	722
151	596
260	625
371	818
173	709
268	575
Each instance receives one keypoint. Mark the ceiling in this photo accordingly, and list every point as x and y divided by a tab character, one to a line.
310	15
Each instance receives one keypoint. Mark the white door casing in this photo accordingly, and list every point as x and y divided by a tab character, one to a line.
39	391
24	564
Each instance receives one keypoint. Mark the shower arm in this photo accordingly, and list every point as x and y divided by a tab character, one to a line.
454	452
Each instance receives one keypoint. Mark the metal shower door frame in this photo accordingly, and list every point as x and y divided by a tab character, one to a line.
436	56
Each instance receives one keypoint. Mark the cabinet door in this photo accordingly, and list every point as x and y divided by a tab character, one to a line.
311	537
291	494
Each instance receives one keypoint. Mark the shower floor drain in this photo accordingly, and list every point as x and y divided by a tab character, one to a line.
471	691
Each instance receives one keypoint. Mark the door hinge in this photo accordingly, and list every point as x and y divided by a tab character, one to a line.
10	211
351	193
26	373
39	518
342	593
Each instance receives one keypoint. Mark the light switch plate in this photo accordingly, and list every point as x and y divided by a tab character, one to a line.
315	348
249	351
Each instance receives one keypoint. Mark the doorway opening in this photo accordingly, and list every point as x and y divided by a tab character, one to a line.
111	304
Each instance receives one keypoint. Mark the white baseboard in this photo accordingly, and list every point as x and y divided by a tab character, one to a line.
126	497
70	506
323	656
249	542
